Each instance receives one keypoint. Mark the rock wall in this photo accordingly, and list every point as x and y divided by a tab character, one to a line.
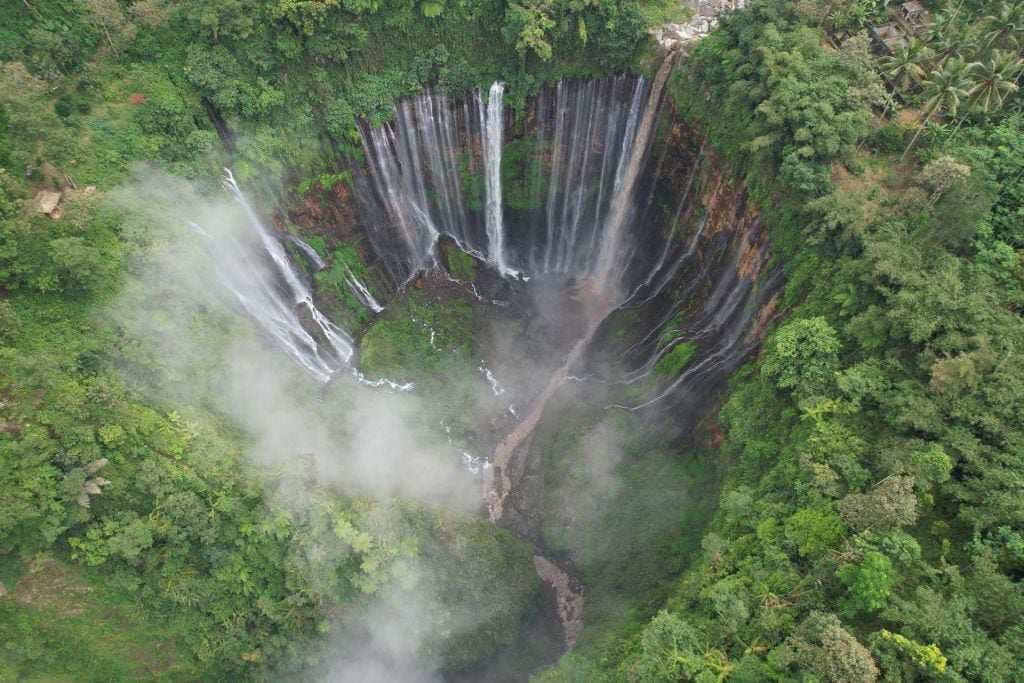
712	286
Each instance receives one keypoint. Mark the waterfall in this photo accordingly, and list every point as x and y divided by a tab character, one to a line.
410	189
309	252
592	125
604	273
494	128
256	270
438	167
361	292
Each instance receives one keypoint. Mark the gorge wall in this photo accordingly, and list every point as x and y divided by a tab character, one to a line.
697	310
596	190
533	196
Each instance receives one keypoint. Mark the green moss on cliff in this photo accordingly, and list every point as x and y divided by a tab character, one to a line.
421	338
333	290
460	265
673	362
523	181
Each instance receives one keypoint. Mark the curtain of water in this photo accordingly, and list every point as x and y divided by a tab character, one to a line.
494	129
254	267
437	169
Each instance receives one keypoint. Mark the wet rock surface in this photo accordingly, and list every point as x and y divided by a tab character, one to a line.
567	597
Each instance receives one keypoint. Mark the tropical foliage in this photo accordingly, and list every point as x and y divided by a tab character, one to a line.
870	522
104	466
869	526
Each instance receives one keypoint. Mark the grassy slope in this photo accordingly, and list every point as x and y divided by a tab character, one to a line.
60	624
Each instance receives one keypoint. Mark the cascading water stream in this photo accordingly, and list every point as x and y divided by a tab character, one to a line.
592	135
494	128
361	292
310	253
437	169
609	262
410	191
255	269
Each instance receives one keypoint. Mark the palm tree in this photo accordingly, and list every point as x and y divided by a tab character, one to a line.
944	23
1006	26
990	83
944	91
993	80
952	45
906	66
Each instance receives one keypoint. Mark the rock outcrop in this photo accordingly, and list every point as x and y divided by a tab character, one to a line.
703	20
50	203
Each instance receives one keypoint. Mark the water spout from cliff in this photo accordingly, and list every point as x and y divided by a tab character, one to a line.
494	128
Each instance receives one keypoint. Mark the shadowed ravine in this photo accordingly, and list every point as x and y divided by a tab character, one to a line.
597	297
498	479
657	247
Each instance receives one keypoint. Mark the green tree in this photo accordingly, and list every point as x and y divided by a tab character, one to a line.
10	323
992	81
29	504
931	466
926	659
814	531
1005	27
151	13
526	28
25	110
669	651
802	356
945	92
117	28
952	46
81	267
891	503
907	66
221	18
942	174
869	582
824	648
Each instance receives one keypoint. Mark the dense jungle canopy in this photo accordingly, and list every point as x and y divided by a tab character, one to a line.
847	506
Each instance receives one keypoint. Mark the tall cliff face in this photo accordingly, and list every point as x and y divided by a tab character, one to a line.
596	195
547	194
699	307
708	296
584	189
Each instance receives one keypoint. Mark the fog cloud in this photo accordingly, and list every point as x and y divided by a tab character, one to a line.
178	306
